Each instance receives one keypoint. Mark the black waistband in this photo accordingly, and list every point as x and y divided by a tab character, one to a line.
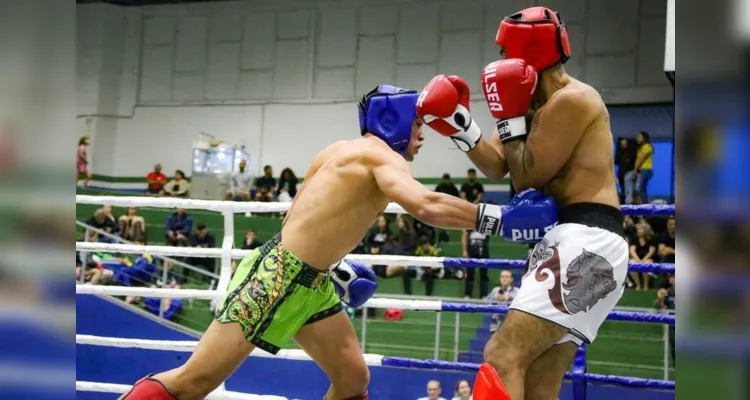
308	276
595	215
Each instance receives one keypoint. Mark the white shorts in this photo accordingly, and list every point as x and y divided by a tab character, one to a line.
575	276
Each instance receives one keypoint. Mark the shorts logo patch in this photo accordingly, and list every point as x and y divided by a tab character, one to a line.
589	278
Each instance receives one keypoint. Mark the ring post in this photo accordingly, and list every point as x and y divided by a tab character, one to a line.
363	344
438	322
579	371
456	333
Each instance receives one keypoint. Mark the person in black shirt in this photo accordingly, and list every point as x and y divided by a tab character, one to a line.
287	183
472	191
376	241
265	186
667	243
642	250
625	161
250	242
447	186
476	245
102	221
202	238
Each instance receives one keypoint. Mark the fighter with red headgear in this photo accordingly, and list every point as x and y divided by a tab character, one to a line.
576	272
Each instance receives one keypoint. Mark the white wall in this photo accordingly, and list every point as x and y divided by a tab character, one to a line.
283	77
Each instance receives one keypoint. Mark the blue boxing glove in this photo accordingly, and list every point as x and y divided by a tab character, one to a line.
354	282
526	219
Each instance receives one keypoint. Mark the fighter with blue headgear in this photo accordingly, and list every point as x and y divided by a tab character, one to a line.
389	112
292	287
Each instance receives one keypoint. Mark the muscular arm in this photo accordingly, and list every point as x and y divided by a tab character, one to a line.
555	131
489	158
440	210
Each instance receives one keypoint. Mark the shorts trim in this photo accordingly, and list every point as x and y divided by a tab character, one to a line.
570	331
265	346
321	315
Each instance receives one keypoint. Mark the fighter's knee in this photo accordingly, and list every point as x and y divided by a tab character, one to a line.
351	381
502	359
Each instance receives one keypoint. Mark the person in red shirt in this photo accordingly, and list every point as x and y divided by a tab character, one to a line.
156	180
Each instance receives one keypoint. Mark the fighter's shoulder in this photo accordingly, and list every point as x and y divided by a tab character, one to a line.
580	99
382	155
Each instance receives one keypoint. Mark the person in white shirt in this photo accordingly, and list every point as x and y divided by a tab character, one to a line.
502	294
433	391
240	183
463	390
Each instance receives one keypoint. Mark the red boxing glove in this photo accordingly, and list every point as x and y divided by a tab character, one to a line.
508	88
444	107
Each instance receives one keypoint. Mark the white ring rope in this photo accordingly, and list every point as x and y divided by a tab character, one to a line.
213	205
201	252
188	346
84	386
162	293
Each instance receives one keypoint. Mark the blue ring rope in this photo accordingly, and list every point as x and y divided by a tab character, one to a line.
456	262
653	318
469	367
658	210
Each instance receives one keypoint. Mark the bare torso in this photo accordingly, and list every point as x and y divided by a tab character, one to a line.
588	175
336	205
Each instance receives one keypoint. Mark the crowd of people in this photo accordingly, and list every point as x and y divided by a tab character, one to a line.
461	391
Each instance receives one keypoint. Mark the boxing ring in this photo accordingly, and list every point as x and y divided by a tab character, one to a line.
578	376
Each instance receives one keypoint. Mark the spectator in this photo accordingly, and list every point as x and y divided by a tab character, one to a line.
251	242
625	161
287	185
82	162
476	245
472	191
628	225
132	226
240	183
406	235
642	250
177	187
665	301
103	221
463	390
502	294
433	391
156	180
202	238
447	186
426	249
265	185
179	226
378	235
667	243
644	162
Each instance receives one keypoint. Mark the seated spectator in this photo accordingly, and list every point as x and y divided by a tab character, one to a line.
287	185
403	243
667	243
629	225
168	307
132	226
463	390
156	180
427	249
202	238
177	187
240	183
433	391
103	221
251	242
265	186
447	186
476	245
179	226
423	230
472	191
642	250
502	294
378	235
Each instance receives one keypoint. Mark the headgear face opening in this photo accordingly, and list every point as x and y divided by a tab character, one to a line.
536	35
388	112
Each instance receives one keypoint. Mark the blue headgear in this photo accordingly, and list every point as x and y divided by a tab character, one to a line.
388	112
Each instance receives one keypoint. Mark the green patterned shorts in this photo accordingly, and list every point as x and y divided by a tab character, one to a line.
273	294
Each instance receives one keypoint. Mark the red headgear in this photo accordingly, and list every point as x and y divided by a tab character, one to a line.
536	35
